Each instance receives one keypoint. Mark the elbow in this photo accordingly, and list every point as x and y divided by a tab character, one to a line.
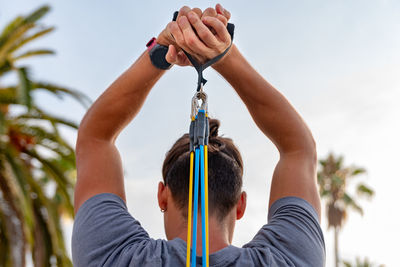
305	148
313	149
310	150
90	133
81	139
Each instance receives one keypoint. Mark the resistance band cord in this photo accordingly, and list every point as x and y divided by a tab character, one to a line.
198	134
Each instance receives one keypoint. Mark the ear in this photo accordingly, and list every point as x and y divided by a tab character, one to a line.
241	205
162	196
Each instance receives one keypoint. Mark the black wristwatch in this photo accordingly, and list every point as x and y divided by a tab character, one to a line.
157	54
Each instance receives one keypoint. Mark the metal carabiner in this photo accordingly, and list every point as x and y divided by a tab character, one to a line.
200	95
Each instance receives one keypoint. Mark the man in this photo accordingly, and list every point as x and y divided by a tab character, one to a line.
105	234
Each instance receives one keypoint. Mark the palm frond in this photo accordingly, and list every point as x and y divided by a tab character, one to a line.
351	203
5	67
35	52
2	123
10	27
12	36
61	91
357	171
12	39
364	190
38	114
24	88
63	182
37	14
40	134
8	95
30	38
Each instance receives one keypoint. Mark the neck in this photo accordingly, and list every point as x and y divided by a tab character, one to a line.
219	236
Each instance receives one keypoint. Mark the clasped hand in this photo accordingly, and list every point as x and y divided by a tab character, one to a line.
201	34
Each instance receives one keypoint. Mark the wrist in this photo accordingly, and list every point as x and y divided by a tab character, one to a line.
162	40
225	60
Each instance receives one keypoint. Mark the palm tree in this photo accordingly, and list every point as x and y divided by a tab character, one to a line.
36	164
333	179
361	263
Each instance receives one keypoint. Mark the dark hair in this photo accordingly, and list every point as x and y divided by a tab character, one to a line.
225	171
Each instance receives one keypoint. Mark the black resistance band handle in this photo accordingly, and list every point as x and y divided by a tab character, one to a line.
200	67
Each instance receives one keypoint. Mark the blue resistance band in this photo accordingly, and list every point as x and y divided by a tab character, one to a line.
195	204
203	206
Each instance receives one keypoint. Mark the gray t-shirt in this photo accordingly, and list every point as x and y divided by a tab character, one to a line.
105	234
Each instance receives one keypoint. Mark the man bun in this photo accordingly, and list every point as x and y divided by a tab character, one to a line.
214	126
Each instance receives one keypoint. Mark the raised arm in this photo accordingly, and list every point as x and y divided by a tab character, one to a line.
295	173
99	168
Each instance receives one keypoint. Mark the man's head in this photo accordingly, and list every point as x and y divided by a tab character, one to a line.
225	172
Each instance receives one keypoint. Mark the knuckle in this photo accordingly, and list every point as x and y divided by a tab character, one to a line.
179	40
202	33
227	14
197	11
210	11
223	19
183	9
169	27
220	49
191	41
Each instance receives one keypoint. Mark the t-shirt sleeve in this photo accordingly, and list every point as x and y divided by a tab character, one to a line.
102	227
292	237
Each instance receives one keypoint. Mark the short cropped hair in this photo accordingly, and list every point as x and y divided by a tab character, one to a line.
225	173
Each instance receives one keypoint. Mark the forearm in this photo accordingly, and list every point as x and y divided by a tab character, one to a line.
270	110
120	103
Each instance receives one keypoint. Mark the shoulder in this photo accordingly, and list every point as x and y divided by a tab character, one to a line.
103	227
292	235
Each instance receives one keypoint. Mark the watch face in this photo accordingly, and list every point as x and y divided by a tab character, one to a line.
159	50
157	55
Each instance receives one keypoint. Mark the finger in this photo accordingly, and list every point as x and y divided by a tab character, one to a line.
171	56
179	37
191	39
210	12
197	11
168	34
219	27
223	11
223	19
202	30
183	11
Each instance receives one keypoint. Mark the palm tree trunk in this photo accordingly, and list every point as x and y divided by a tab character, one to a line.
336	246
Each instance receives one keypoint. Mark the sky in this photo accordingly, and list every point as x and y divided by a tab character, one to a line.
338	63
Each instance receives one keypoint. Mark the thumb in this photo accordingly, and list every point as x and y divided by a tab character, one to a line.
171	55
